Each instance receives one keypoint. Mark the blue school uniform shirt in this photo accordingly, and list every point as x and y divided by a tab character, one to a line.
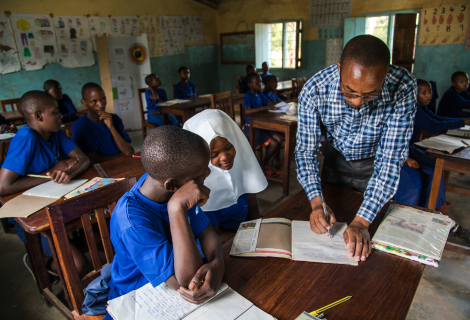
96	137
141	236
251	101
271	96
265	75
152	104
231	217
185	92
30	154
3	120
67	109
452	103
244	86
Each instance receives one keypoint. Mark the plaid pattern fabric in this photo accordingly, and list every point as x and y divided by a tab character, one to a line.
380	128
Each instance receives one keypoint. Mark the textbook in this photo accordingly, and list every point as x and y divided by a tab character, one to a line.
171	102
444	143
164	303
413	233
461	132
283	238
91	185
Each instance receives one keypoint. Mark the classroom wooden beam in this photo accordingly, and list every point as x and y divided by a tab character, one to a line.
209	3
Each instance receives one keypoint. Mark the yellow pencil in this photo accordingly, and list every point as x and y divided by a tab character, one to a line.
38	176
317	312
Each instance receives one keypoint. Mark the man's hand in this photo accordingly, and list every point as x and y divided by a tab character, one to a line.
188	195
205	283
357	239
107	118
412	163
318	222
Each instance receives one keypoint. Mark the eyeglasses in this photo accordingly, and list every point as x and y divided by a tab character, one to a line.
354	96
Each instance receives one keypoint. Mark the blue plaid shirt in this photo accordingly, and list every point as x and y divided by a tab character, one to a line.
380	128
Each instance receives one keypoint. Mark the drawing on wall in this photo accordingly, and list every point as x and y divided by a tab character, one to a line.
192	28
125	26
36	41
138	53
71	27
118	52
9	60
98	27
125	105
172	34
124	92
119	66
150	25
75	53
444	25
334	48
329	13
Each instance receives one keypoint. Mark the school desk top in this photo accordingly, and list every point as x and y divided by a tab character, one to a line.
284	86
200	102
461	156
382	287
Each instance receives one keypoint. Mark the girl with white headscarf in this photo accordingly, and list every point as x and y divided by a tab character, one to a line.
235	176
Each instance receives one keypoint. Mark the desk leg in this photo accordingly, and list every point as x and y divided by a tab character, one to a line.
185	117
436	182
34	248
165	120
287	153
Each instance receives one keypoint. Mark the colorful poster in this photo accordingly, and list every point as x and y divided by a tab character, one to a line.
125	26
9	60
75	53
98	27
150	25
192	28
444	25
35	39
172	34
71	28
329	13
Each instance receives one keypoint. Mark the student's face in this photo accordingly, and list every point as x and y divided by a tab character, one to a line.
461	83
50	118
424	94
155	82
265	67
95	101
184	74
222	153
255	84
200	170
56	92
356	81
271	85
250	70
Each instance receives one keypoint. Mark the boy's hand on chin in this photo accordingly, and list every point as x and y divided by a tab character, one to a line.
107	118
204	285
188	195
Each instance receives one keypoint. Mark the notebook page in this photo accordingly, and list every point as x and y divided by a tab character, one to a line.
281	107
51	189
255	313
309	246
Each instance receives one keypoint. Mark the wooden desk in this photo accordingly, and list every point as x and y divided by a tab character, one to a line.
187	109
382	287
15	117
272	121
284	87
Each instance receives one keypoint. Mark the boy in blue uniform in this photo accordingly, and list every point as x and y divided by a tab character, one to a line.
185	89
270	91
265	68
66	106
154	95
256	101
100	134
243	84
38	148
456	98
154	225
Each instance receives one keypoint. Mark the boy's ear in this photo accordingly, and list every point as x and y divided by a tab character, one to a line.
83	102
37	115
170	185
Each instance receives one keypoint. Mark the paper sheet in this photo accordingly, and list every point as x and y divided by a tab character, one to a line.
98	27
4	136
309	246
172	34
125	26
246	238
9	60
192	28
151	26
282	107
444	143
329	13
51	189
23	206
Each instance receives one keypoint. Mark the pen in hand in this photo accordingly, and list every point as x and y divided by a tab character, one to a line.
323	204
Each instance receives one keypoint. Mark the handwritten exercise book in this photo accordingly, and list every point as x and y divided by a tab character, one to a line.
164	303
444	143
171	102
283	238
37	198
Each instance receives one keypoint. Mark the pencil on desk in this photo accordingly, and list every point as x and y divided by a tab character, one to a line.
134	156
331	305
38	176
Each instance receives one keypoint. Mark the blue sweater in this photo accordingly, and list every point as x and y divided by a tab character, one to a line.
67	109
452	103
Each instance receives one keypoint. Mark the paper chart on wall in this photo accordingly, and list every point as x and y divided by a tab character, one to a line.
71	27
125	26
9	60
35	39
192	28
98	27
125	105
151	26
444	25
329	13
172	34
334	48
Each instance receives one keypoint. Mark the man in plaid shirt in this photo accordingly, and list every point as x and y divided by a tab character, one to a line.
367	107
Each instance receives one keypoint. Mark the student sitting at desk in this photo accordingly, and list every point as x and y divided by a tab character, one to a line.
99	134
265	68
270	91
235	176
243	84
456	98
38	148
256	101
6	127
154	95
66	106
185	89
154	225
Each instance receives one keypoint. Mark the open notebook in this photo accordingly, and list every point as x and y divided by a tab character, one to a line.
444	143
283	238
171	102
461	132
163	303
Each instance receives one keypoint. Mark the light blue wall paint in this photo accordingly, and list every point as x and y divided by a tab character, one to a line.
238	52
14	85
313	60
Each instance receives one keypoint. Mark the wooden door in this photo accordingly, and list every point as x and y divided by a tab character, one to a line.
404	40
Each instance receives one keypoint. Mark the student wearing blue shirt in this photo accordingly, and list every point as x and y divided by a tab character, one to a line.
154	95
155	225
265	68
185	89
243	84
66	106
270	91
99	134
456	98
39	148
256	101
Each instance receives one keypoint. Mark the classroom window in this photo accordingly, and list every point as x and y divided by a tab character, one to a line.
378	26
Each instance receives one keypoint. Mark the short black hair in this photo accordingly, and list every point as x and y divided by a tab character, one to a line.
367	51
49	84
181	69
265	63
456	74
171	152
251	76
250	66
270	78
33	101
148	79
421	82
89	86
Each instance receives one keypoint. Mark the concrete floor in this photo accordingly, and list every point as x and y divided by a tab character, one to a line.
443	293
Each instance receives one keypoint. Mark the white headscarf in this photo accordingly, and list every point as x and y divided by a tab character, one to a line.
245	176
